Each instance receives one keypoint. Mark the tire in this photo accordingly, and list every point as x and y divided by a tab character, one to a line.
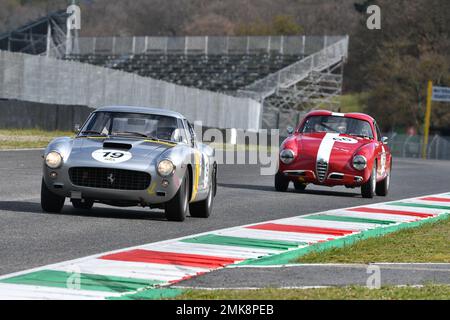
281	183
382	189
368	189
299	186
86	205
50	202
176	209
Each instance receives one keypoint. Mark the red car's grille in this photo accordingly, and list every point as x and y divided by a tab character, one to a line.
321	168
109	178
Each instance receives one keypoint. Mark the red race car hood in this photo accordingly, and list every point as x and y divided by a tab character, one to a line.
328	146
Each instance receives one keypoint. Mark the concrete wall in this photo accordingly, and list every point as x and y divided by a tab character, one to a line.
30	115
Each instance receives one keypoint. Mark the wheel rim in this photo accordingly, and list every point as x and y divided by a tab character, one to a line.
388	181
185	200
374	181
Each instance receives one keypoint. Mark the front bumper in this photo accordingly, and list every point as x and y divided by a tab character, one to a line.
156	193
333	178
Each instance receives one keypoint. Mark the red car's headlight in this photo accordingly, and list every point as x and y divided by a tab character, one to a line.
287	156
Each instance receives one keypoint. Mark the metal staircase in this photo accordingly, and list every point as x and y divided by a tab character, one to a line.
311	83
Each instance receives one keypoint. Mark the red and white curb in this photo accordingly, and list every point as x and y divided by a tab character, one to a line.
126	271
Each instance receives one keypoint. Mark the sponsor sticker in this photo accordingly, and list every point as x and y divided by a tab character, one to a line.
345	140
111	156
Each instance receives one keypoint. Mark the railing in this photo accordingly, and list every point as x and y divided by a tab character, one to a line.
298	71
294	45
47	80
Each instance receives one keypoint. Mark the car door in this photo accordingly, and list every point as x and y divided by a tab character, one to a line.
381	154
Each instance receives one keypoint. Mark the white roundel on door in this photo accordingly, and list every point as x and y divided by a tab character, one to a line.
111	156
345	140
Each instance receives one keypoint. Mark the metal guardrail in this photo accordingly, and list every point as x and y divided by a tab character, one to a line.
47	80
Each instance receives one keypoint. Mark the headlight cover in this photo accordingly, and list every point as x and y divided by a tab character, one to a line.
287	156
359	162
166	168
53	160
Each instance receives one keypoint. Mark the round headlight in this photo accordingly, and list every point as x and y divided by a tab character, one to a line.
287	156
359	162
166	168
53	160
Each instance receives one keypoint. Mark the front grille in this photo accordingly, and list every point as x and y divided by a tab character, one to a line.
322	168
109	178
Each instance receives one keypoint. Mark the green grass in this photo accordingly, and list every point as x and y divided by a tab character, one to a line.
355	102
431	292
428	243
28	138
351	102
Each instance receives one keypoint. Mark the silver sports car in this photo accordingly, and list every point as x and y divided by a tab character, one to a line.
131	156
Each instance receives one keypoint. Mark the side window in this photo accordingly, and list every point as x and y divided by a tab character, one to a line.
191	131
378	132
188	131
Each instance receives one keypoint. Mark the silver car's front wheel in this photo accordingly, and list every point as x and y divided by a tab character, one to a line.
203	209
176	209
50	202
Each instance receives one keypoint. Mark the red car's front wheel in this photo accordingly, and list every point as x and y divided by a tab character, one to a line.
281	183
368	189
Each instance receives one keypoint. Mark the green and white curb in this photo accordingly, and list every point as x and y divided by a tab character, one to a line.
143	272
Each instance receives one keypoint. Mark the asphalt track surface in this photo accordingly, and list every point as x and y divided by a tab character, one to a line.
30	238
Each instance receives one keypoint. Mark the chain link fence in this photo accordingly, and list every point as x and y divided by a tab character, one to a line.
47	80
406	146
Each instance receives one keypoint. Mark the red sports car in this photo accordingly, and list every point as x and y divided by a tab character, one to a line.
333	149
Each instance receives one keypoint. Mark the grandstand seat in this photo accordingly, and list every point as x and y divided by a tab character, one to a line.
222	73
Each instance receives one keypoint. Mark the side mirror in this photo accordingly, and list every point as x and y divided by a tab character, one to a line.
290	130
76	128
385	140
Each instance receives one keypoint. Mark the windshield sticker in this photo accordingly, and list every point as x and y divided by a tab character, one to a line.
111	156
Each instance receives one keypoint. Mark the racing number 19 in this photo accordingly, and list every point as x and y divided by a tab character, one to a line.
114	155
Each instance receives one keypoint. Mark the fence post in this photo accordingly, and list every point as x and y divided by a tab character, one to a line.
206	45
133	46
303	45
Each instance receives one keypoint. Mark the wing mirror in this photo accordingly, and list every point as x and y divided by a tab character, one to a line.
385	140
76	128
290	130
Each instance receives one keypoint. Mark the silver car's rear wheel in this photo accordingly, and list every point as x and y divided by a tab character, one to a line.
176	209
82	204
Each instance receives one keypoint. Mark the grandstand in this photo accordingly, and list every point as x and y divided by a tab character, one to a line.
287	75
218	72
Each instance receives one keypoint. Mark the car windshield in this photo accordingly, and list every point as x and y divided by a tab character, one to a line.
335	124
135	125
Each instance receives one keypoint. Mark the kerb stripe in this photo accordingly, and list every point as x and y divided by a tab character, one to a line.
182	259
300	229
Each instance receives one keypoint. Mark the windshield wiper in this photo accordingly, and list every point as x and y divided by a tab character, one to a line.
359	135
93	132
132	133
327	127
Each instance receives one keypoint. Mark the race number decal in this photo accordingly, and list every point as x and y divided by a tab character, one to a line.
111	156
345	140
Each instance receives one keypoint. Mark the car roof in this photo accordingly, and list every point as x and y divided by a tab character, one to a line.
144	110
354	115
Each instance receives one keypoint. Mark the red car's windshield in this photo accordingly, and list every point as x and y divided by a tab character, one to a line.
335	124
